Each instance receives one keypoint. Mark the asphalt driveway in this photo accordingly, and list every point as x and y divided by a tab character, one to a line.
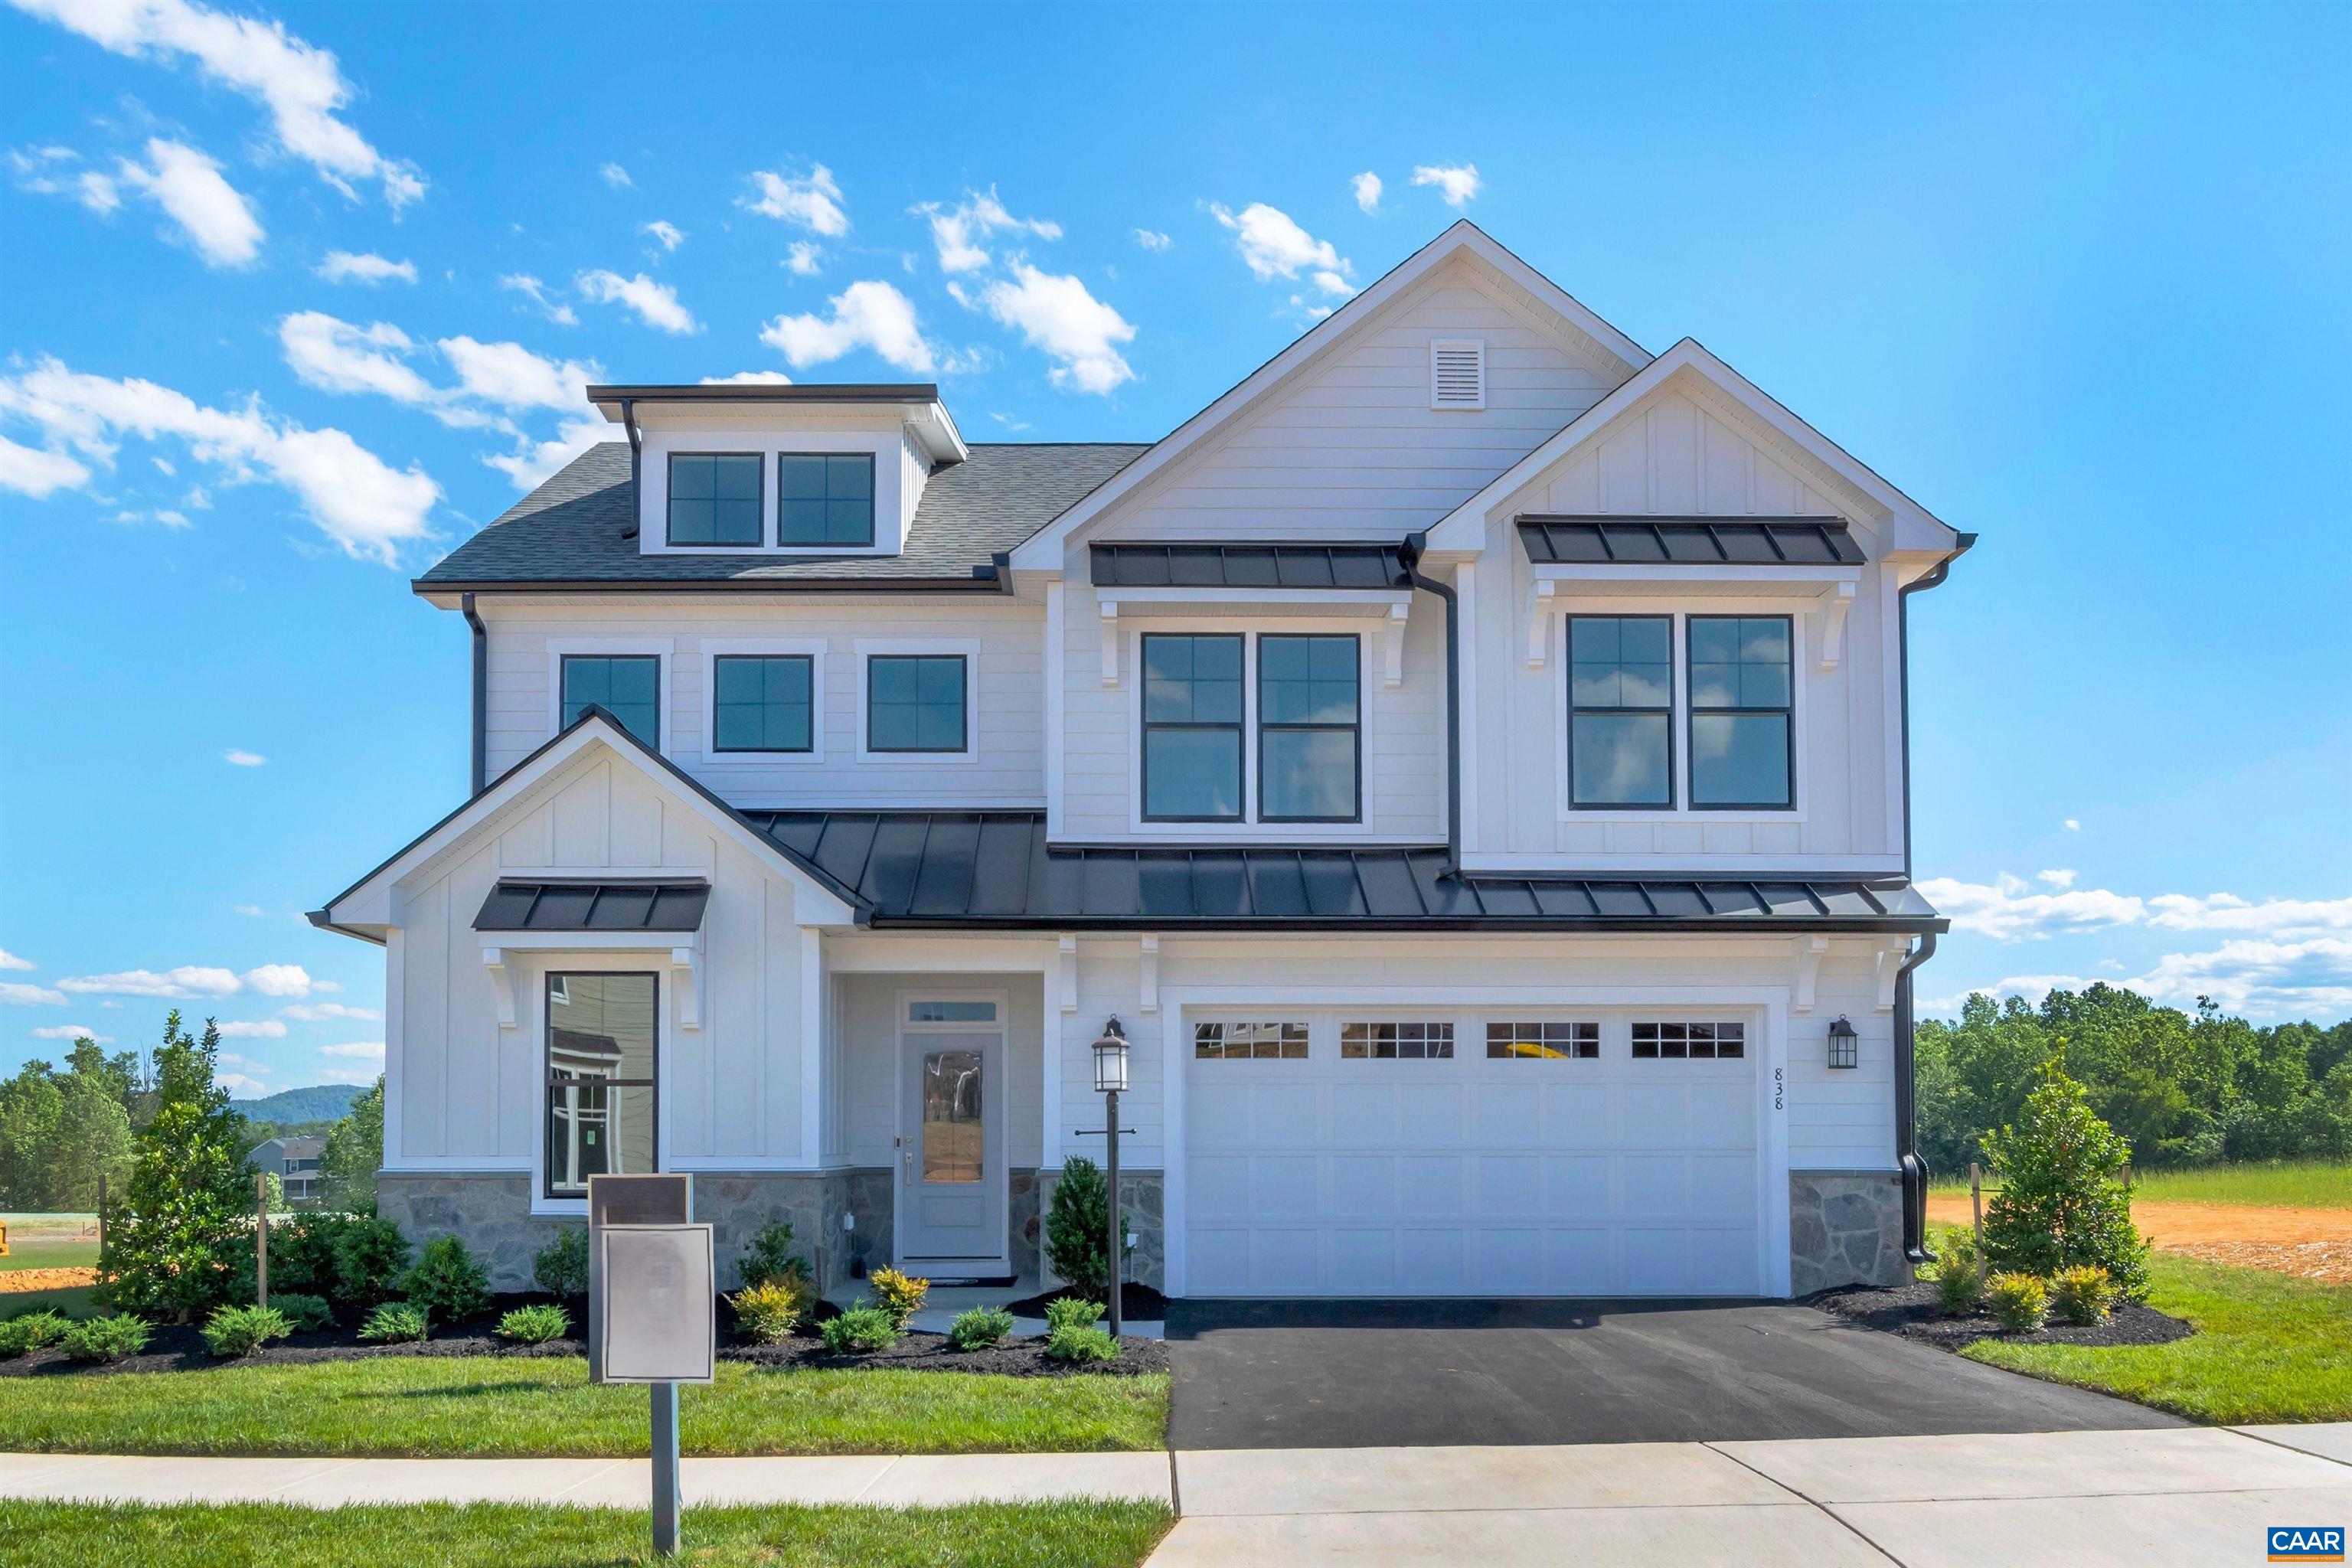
1334	1375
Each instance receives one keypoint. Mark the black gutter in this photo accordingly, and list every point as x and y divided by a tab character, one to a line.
481	694
636	461
1408	557
1907	1111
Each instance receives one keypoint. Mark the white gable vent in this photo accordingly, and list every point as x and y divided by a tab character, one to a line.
1457	372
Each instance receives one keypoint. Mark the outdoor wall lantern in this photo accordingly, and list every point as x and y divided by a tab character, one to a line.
1845	1045
1110	1059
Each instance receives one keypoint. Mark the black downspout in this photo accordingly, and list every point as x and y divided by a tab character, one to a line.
637	458
1409	556
481	693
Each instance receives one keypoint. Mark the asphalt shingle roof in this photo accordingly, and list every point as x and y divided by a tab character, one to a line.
572	529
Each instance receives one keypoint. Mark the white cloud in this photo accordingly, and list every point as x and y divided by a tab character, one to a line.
300	85
230	1059
70	1032
30	472
2058	879
279	979
1152	240
344	267
238	1082
340	356
655	303
617	177
45	173
1275	246
2009	909
2260	978
511	376
1367	187
263	1029
553	309
319	1012
188	187
98	193
669	232
347	1074
532	462
1455	182
364	1051
256	911
957	232
18	993
363	504
805	257
749	378
1058	315
814	201
243	759
871	315
2072	826
10	961
2227	912
188	980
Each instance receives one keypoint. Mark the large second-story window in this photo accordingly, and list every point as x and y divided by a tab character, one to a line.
915	702
825	498
628	686
714	499
1309	748
1192	728
1739	718
1621	699
762	702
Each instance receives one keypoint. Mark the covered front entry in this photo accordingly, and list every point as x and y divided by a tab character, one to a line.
1529	1152
952	1145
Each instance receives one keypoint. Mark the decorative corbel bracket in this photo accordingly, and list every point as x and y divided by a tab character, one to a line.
1811	951
1066	960
1399	615
686	978
1890	964
1108	611
1539	601
1152	974
1834	605
494	963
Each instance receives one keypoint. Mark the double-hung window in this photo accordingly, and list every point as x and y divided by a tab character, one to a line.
915	702
1309	752
1621	704
763	702
1192	728
1740	690
825	498
601	1080
628	686
714	499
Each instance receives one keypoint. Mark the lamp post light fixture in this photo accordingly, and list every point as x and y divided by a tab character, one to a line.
1110	1080
1845	1045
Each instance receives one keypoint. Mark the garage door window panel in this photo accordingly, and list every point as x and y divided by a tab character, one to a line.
1669	1041
1552	1040
1407	1041
1250	1042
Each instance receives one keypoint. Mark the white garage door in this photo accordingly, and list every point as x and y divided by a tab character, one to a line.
1552	1154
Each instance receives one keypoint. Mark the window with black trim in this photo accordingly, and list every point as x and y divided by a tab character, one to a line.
1548	1041
1192	727
1741	690
1250	1042
1417	1041
825	498
601	1106
714	498
1653	1041
628	686
1621	699
915	702
762	702
1309	729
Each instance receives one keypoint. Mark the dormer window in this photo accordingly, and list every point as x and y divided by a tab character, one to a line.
714	499
825	498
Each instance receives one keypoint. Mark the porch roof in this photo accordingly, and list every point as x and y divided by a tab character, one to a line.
944	870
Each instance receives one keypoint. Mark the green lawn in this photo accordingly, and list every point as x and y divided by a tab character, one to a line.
2301	1184
397	1405
2269	1347
515	1535
48	1252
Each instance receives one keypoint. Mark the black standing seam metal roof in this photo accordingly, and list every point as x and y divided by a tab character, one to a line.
949	869
594	906
1188	564
1688	541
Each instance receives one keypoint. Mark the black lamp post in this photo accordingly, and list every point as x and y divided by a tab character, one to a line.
1110	1080
1845	1045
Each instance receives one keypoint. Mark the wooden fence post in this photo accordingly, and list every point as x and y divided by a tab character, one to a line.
101	1217
1976	1202
262	1241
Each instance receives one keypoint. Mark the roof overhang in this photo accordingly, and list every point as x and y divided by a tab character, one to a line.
917	403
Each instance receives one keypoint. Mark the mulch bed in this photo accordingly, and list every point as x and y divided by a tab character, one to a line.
1137	1303
180	1347
1913	1311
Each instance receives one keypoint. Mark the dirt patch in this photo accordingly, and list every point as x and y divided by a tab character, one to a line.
1913	1311
15	1282
2312	1244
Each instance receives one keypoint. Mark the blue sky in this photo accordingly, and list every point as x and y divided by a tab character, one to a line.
2076	278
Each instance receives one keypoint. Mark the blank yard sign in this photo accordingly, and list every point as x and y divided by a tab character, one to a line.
658	1321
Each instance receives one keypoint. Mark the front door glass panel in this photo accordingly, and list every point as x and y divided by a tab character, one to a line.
954	1134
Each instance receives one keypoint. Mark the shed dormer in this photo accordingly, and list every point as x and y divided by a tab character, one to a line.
780	471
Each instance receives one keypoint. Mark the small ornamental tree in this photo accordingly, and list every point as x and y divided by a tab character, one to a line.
1075	1224
2061	1203
177	1238
354	1150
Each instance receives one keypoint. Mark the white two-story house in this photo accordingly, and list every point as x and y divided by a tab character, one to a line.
1468	759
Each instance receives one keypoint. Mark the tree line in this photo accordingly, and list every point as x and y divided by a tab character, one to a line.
2181	1089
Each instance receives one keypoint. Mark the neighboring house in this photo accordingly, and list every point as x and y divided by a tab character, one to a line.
1468	757
294	1162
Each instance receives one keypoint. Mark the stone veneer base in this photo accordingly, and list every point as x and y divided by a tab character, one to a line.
1845	1228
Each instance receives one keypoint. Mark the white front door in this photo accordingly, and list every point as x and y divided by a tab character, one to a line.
951	1164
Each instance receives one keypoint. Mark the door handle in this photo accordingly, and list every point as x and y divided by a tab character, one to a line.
907	1159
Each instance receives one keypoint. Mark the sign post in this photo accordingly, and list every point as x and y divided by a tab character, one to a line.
652	1317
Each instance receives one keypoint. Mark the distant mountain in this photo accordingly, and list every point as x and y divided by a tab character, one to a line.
320	1102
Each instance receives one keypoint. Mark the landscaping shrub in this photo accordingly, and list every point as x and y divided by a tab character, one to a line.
307	1313
171	1235
864	1327
110	1338
233	1332
1072	1312
32	1331
561	1266
1075	1227
1077	1344
2081	1294
1956	1274
396	1323
769	1256
980	1328
370	1256
535	1325
446	1281
2061	1202
768	1313
302	1253
2018	1301
899	1295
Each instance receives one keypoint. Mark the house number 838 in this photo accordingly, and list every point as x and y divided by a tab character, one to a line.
1780	1082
